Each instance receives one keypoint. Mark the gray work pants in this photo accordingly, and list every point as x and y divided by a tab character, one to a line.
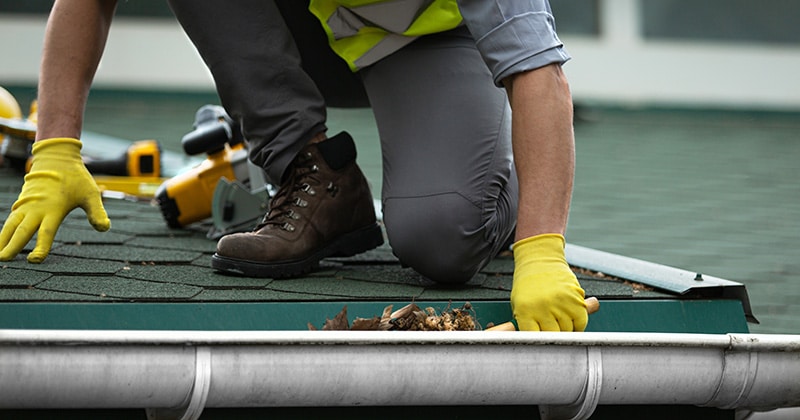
259	79
449	186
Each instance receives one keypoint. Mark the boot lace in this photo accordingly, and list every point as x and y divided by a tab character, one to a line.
291	195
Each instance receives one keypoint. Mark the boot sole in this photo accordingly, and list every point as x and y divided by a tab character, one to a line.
347	245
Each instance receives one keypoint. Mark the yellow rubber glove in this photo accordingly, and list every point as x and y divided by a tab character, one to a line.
546	295
57	183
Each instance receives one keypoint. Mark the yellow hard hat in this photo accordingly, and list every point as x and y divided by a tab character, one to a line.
33	113
9	107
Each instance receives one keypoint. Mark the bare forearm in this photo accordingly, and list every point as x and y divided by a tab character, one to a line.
74	41
544	149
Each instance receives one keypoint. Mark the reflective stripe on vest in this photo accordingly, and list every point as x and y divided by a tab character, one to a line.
364	31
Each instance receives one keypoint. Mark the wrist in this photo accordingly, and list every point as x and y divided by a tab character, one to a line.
61	146
546	241
540	252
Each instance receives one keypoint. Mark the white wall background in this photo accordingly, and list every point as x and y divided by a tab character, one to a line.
617	67
140	53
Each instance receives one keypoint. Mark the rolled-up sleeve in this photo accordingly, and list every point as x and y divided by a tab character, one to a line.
513	36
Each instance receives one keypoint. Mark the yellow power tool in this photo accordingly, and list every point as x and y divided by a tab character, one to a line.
224	177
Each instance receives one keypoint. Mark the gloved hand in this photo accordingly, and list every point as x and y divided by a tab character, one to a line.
546	295
57	183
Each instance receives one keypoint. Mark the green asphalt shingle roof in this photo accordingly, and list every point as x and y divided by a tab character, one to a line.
142	260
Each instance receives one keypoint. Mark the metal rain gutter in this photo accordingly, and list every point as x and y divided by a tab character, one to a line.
175	374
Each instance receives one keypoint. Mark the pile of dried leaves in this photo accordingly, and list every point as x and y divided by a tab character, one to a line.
408	318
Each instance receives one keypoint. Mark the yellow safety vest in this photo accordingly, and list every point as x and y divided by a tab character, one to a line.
364	31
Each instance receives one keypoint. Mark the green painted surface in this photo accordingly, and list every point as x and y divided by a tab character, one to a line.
673	316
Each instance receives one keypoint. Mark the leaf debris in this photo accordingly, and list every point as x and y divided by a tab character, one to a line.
408	318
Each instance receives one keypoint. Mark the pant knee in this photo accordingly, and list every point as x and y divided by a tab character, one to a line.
441	237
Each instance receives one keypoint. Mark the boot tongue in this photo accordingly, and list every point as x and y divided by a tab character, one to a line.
338	150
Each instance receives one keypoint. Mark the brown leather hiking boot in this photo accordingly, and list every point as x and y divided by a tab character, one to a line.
324	209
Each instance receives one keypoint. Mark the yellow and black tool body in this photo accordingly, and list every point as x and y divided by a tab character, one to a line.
187	197
136	172
141	159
